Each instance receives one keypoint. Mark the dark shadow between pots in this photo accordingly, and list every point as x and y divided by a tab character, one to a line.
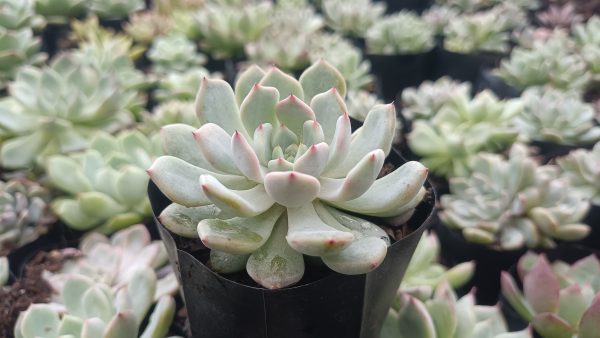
419	6
463	67
487	80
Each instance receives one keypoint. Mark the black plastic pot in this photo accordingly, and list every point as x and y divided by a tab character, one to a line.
463	67
394	6
335	305
227	67
592	219
489	263
54	38
396	72
487	80
548	151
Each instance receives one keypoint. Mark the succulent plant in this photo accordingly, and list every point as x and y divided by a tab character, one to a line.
4	271
426	101
181	86
169	112
17	49
91	309
560	117
512	203
446	316
274	178
402	33
226	26
352	17
360	102
551	62
471	6
115	9
60	11
174	53
107	182
588	42
145	26
560	300
18	14
24	212
76	102
582	168
560	16
439	17
463	127
424	274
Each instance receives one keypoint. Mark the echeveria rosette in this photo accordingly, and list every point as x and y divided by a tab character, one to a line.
425	101
106	183
17	49
582	169
174	53
265	180
60	11
402	33
587	38
560	300
352	17
115	9
18	14
514	203
479	32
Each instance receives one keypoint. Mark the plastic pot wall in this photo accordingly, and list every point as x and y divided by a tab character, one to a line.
462	67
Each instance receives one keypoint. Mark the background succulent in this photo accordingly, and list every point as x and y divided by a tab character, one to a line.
439	17
401	33
169	112
107	182
560	16
181	85
588	43
478	32
145	26
17	48
360	102
24	212
352	17
554	116
509	204
115	9
425	101
582	168
268	199
60	11
174	53
18	14
561	300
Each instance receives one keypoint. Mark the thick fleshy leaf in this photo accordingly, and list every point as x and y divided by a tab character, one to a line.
444	316
21	152
132	184
238	235
390	195
226	263
358	181
40	320
259	107
291	189
283	137
69	211
377	132
511	292
276	265
467	319
96	303
141	289
64	173
589	326
361	256
414	320
161	318
479	236
293	112
585	271
70	325
183	221
245	158
460	274
312	133
286	85
328	108
572	304
244	203
340	144
541	287
280	164
215	145
76	286
99	205
549	325
123	325
177	140
320	77
314	160
93	328
246	81
309	235
215	103
545	221
572	232
262	143
346	222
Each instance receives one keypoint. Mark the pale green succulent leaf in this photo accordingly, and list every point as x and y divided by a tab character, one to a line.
511	291
132	185
245	203
262	143
69	211
321	77
589	326
291	189
259	107
346	222
328	107
215	103
572	304
226	263
550	325
177	140
340	143
22	151
66	175
246	81
93	328
160	319
313	161
123	325
286	85
245	158
99	205
312	133
183	221
70	325
96	304
40	320
141	289
414	320
293	112
215	145
360	256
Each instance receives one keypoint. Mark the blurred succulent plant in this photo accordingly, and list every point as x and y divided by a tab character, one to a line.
91	309
463	127
56	109
478	32
551	62
24	212
563	16
174	53
18	14
181	86
424	274
439	17
352	17
226	26
587	38
17	48
446	316
471	6
60	11
115	9
267	199
582	168
360	102
425	101
560	300
169	112
509	204
401	33
554	116
107	182
143	27
4	271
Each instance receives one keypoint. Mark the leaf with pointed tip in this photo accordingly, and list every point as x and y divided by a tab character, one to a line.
286	85
357	182
545	221
291	189
262	142
312	133
340	144
93	328
572	232
361	256
283	137
311	236
414	320
227	263
572	304
358	226
132	184
65	173
549	325
240	235
160	319
541	287
589	326
320	77
259	107
215	103
460	274
328	108
177	140
280	164
276	265
389	195
443	314
183	221
99	205
123	325
585	271
244	203
313	161
40	320
293	112
514	296
141	289
245	158
246	81
215	145
70	325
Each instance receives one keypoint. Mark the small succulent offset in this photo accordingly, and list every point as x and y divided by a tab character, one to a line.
558	117
425	101
424	274
76	102
402	33
478	32
463	127
115	9
60	11
265	180
17	48
24	212
560	300
446	316
174	53
107	182
352	17
509	204
582	168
